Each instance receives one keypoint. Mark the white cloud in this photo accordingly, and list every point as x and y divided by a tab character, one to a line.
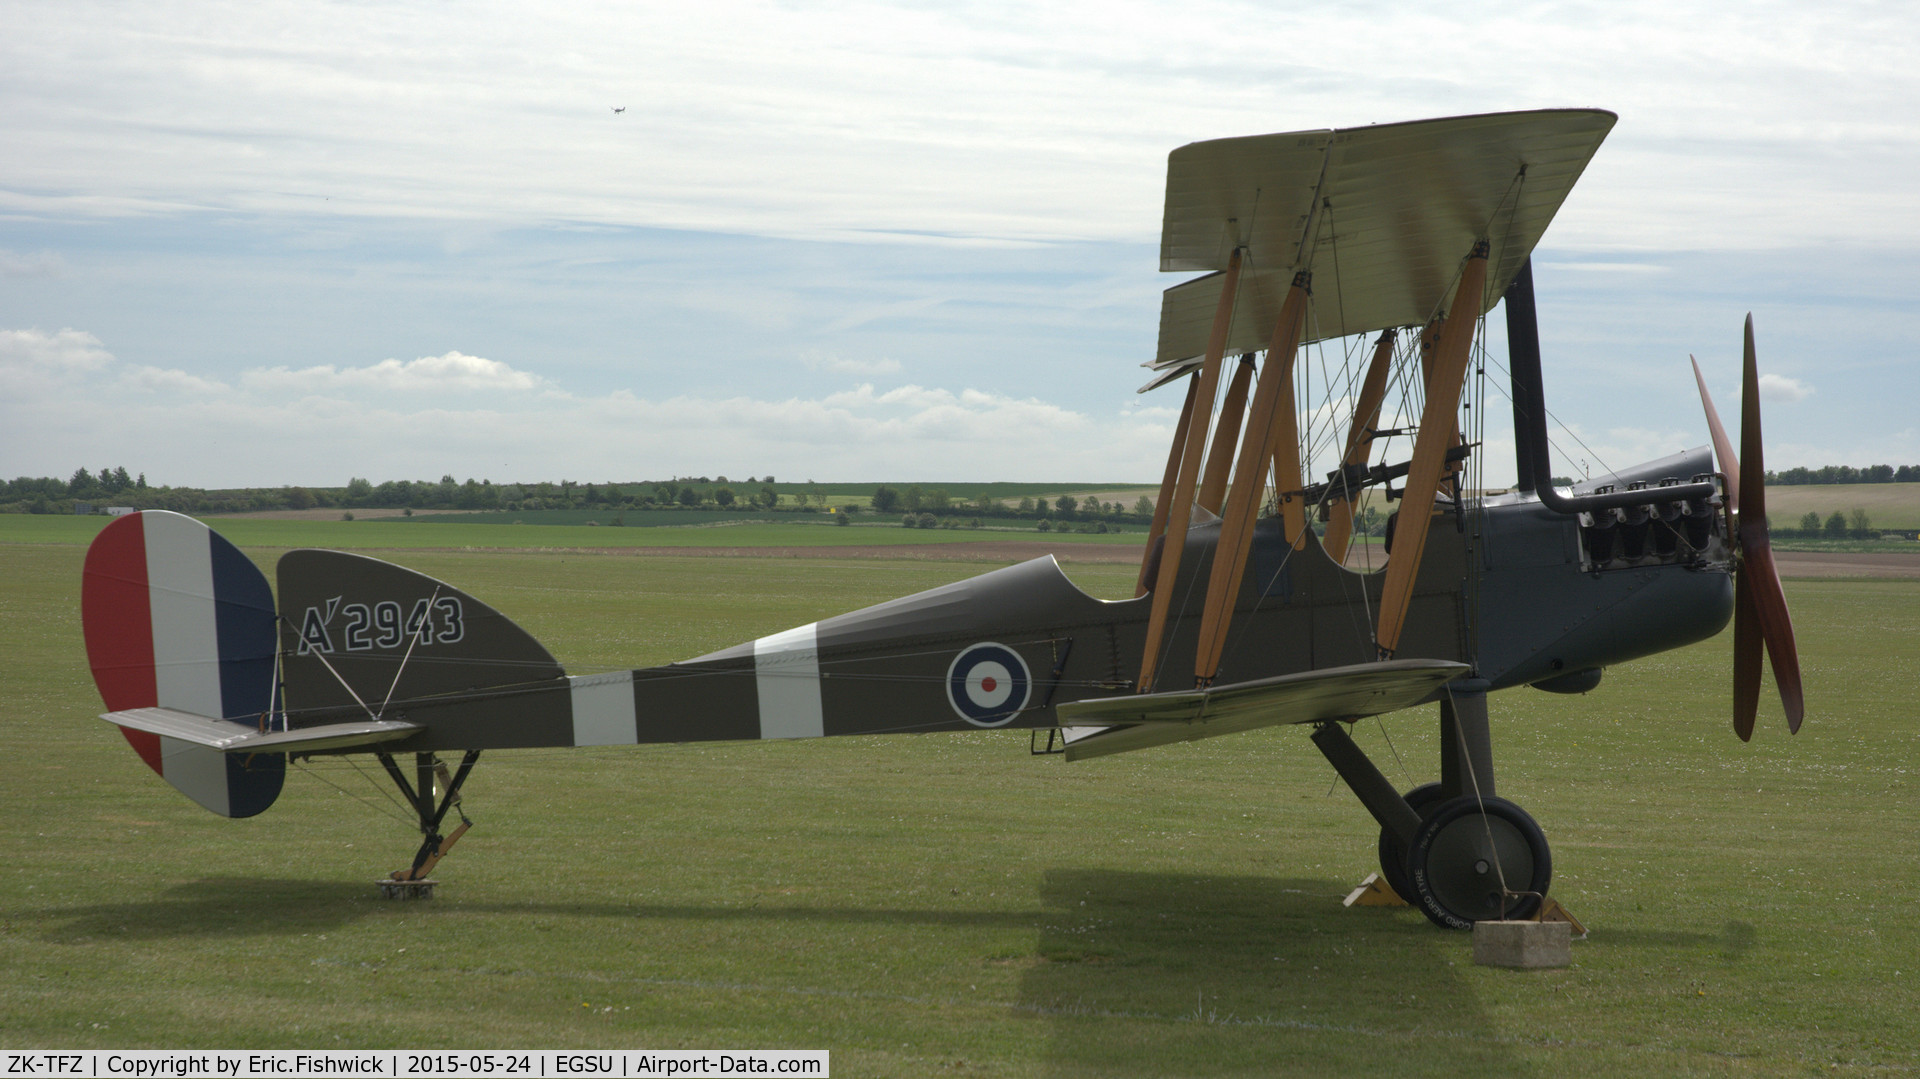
816	360
319	424
876	119
37	264
1780	388
1634	268
283	162
155	380
453	371
33	360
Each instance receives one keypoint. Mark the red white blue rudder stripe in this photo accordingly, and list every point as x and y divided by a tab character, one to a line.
176	617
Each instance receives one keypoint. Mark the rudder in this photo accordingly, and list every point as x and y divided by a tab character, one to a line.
176	617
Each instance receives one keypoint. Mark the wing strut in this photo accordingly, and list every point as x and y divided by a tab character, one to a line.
1270	435
1366	414
1213	483
1157	532
1283	448
1180	513
1437	431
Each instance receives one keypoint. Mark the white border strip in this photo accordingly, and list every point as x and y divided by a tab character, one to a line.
603	709
786	669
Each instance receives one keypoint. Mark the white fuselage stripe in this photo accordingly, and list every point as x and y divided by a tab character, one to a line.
786	669
603	709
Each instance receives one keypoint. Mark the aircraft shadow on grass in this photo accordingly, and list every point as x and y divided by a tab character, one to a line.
1251	974
219	907
1734	942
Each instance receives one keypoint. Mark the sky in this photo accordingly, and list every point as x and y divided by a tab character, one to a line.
272	243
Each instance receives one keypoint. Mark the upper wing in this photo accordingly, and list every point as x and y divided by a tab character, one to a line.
1382	215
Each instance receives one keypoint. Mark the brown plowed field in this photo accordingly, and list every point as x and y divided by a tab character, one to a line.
1847	564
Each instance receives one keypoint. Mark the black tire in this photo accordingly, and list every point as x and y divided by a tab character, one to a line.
1456	874
1393	854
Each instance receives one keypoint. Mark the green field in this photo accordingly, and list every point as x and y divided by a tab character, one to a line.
945	904
1888	505
428	534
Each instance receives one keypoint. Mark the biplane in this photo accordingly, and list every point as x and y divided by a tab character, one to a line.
1338	319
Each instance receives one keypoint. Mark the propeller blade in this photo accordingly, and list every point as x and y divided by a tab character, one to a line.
1760	617
1753	472
1746	658
1759	576
1722	445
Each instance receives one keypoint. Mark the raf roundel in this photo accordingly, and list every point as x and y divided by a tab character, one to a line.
988	684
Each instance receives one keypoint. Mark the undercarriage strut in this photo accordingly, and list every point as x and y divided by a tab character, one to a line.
419	794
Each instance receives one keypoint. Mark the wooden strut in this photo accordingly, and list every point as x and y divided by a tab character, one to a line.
1270	435
1158	530
1429	342
1285	456
1366	415
1226	433
1437	432
1180	513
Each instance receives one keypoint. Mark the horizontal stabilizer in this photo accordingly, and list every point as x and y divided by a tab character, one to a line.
1137	721
226	736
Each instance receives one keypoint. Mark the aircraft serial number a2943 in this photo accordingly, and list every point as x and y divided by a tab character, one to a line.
1386	246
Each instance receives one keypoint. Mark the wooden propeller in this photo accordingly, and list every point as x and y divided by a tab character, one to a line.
1760	617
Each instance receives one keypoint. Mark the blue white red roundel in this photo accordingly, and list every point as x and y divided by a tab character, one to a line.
988	683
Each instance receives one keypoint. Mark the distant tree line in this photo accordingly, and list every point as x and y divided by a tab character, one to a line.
1794	477
934	508
116	487
1836	526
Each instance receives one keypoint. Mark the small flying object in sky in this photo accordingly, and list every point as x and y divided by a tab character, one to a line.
617	109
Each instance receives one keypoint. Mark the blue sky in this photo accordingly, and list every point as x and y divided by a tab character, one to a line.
273	243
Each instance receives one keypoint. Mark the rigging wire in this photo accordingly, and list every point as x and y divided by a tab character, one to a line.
307	766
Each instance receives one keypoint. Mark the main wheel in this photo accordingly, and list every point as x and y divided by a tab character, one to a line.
1393	853
1463	852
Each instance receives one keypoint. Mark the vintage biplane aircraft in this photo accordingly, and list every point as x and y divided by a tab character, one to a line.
1247	613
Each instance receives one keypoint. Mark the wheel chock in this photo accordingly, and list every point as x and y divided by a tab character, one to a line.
1373	892
1552	911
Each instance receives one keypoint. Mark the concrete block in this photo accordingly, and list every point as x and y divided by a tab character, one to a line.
406	889
1527	945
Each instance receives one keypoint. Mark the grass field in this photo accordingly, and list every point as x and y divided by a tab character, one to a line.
943	904
1889	505
428	534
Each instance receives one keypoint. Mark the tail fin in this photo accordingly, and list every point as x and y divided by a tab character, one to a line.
176	617
366	639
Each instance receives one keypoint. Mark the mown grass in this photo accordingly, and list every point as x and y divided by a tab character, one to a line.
428	534
944	904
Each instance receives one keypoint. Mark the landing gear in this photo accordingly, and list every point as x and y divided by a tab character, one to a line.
420	795
1451	848
1393	853
1476	860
